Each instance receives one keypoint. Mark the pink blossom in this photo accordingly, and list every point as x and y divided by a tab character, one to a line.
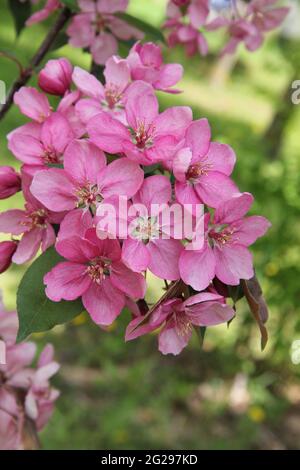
178	317
32	103
202	168
95	272
10	182
108	97
7	250
85	180
265	17
25	393
225	252
184	26
96	27
145	247
41	15
33	223
150	136
41	144
146	63
56	77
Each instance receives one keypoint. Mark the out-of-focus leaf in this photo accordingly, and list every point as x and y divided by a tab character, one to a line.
60	41
200	330
20	12
258	306
151	32
35	311
72	4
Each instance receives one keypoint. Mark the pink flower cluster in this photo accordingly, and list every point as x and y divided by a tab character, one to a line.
26	396
98	28
107	141
188	21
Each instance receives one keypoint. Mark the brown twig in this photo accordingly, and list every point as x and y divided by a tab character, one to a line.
27	73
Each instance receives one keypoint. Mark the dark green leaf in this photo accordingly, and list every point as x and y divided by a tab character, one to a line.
60	41
35	311
151	32
200	330
20	12
72	4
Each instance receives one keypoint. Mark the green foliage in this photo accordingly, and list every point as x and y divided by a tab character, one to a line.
20	12
72	4
35	311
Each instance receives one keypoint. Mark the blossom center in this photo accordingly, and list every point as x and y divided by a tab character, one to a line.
51	156
145	228
36	219
99	269
221	237
112	96
87	195
197	170
143	135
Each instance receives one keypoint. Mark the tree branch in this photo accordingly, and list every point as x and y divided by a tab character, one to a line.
63	17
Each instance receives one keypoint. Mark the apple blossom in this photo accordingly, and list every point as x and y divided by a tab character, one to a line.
10	182
94	271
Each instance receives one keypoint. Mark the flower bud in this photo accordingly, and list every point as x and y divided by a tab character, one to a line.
10	182
7	250
55	78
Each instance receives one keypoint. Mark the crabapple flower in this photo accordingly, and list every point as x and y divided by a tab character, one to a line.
32	104
177	318
56	77
108	97
41	144
150	137
202	168
7	250
184	25
225	252
25	393
98	28
10	182
146	63
33	224
50	7
145	247
85	180
265	17
94	271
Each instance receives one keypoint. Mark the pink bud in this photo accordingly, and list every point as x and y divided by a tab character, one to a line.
7	250
10	182
55	78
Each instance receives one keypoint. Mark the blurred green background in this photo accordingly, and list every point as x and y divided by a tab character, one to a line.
229	394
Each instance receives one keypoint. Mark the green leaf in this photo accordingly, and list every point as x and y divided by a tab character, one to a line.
60	41
72	4
35	311
200	330
20	12
151	32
